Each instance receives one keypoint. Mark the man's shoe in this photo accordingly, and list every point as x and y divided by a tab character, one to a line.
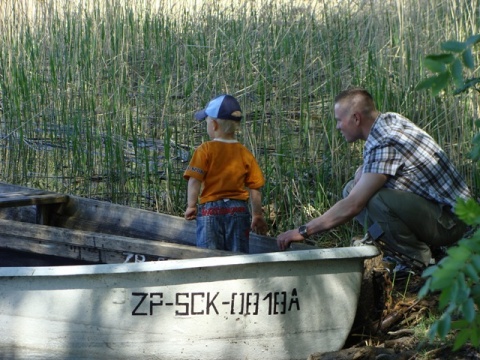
398	270
361	241
438	253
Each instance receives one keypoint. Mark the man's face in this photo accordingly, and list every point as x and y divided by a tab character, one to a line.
347	122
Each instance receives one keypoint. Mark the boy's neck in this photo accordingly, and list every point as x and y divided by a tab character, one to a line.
220	135
225	139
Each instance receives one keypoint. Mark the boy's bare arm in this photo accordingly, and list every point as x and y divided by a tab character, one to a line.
192	198
259	225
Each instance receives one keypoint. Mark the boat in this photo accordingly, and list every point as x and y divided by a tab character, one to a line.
163	299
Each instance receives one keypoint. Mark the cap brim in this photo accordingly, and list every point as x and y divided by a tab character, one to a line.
200	115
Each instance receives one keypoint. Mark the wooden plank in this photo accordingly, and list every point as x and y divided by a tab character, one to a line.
64	251
14	258
90	246
45	202
103	217
31	198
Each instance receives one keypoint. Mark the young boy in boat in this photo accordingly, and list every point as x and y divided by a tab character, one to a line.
229	175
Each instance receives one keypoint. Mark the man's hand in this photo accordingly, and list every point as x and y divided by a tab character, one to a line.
285	239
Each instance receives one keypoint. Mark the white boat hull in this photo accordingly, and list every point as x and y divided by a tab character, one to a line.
276	305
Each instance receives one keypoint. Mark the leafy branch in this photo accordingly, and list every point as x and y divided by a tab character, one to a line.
449	66
457	276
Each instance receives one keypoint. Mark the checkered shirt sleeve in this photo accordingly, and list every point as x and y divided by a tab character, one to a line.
413	161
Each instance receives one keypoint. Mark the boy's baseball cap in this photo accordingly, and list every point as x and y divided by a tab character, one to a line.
224	107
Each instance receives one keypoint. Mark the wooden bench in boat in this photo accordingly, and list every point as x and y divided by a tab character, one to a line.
87	246
115	219
41	199
91	246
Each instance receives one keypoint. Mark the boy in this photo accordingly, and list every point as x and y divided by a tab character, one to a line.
230	175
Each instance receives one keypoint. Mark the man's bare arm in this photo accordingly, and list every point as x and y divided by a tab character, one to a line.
344	210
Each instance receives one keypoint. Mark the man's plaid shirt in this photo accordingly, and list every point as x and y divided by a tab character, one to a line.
413	161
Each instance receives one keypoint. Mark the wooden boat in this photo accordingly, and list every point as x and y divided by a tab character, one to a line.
98	231
201	305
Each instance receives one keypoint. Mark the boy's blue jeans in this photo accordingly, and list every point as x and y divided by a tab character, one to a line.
224	225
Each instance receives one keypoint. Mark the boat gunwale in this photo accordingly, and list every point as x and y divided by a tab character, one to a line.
337	254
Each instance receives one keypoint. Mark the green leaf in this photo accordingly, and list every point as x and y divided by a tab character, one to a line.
442	282
471	244
467	59
444	325
457	73
468	310
453	290
434	65
440	83
429	271
460	324
475	290
468	210
472	40
471	83
453	46
445	297
461	339
448	267
476	261
444	58
475	340
426	83
463	295
472	272
459	253
426	288
462	282
433	330
475	153
446	264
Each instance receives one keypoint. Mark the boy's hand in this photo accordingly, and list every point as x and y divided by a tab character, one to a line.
191	213
259	225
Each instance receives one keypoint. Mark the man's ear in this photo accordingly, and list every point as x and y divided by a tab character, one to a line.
358	118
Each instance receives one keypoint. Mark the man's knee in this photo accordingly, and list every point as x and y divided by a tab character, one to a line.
348	188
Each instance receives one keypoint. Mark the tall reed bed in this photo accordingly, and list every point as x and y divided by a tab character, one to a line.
98	96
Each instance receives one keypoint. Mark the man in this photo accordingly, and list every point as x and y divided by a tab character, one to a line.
405	190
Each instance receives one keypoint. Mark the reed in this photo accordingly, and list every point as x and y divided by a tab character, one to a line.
98	96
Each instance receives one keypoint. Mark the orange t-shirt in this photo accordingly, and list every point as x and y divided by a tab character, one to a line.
226	169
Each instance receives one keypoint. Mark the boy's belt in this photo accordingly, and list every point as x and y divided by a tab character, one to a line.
223	211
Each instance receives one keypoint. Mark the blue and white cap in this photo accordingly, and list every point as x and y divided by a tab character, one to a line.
224	107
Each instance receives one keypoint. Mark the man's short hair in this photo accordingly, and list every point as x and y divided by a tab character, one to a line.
357	95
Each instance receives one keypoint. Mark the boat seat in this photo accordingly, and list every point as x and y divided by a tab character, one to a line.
41	199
